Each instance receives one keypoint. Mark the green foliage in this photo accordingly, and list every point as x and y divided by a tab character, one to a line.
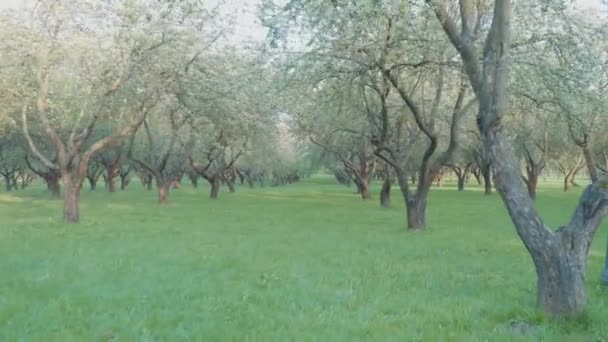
303	262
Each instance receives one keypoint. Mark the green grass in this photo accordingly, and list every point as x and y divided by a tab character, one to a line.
306	262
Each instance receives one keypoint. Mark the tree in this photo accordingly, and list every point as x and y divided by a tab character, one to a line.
369	51
559	256
160	154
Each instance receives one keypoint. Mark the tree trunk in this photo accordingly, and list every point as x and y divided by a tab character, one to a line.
416	212
385	193
477	177
215	187
561	276
567	182
487	182
531	184
230	182
71	211
163	192
92	183
193	179
8	184
572	179
52	185
124	181
589	160
461	180
111	172
605	273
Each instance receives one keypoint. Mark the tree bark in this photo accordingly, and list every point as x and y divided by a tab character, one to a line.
124	182
163	192
461	180
92	183
561	274
567	182
385	193
230	182
590	161
416	212
8	183
111	173
531	183
215	187
487	182
71	210
605	273
52	185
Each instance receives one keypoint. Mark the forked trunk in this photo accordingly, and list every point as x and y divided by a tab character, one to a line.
92	183
363	187
215	187
461	181
385	193
163	193
567	183
71	210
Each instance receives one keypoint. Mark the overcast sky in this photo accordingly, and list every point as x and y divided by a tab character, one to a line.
247	26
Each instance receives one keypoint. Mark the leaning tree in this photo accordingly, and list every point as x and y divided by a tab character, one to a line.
559	255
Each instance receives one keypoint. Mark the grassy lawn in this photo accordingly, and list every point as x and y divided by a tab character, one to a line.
306	262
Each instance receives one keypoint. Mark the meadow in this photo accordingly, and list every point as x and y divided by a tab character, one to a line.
304	262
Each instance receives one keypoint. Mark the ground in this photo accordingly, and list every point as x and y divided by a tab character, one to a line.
303	262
